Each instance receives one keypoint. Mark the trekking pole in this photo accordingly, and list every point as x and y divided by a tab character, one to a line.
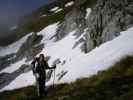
53	78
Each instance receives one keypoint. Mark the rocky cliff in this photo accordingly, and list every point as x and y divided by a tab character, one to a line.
106	20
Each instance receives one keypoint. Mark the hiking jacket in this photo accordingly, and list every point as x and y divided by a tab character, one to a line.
40	67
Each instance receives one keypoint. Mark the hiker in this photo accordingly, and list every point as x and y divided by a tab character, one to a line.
39	70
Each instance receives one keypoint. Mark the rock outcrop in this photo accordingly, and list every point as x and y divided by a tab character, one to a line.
74	20
106	20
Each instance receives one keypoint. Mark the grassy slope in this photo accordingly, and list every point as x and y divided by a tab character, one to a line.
116	83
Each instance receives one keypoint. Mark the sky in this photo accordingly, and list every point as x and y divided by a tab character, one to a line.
11	10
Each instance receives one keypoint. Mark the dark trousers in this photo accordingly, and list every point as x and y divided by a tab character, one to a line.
41	86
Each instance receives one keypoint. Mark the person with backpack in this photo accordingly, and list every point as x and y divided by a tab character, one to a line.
39	68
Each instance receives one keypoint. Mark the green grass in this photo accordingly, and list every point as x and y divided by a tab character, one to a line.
116	83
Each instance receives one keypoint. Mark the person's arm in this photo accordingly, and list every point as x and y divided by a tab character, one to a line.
54	67
33	64
47	66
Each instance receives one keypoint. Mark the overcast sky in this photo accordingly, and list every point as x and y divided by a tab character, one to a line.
10	10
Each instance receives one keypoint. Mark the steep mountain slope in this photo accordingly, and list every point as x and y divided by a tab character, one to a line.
64	31
68	58
29	46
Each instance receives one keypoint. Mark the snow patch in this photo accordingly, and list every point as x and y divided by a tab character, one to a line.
13	67
22	80
44	15
13	48
81	65
69	4
54	9
48	32
58	10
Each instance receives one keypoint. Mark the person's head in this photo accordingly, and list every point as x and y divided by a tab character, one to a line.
41	57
